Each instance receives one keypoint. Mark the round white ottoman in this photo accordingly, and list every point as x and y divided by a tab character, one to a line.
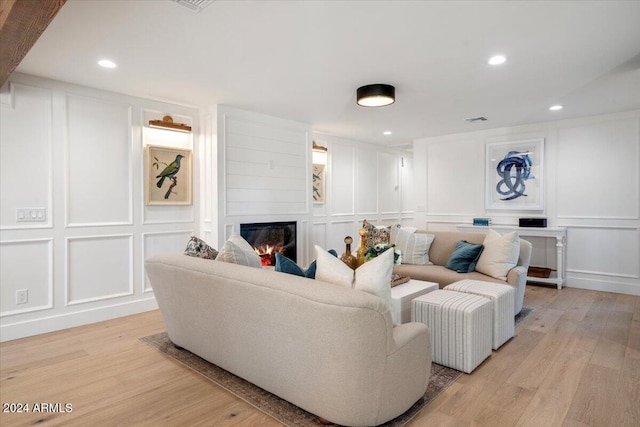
503	306
460	324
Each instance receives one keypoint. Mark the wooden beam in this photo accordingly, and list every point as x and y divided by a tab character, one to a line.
21	24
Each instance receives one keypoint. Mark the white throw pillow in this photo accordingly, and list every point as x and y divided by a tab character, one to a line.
373	277
413	246
500	254
236	250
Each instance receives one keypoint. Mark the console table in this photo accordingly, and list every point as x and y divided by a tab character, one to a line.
559	233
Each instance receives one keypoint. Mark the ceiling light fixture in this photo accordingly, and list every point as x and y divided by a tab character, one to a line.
557	107
106	63
387	132
497	60
376	95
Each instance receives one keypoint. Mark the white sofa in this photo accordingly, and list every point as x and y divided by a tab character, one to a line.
330	350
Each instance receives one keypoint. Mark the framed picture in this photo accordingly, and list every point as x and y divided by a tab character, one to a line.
318	183
514	175
168	176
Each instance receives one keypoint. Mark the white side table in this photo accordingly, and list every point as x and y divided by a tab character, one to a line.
402	295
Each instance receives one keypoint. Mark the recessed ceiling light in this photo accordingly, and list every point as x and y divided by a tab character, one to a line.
556	107
387	132
106	63
497	60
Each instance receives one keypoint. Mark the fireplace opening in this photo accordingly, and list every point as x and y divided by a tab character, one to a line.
269	238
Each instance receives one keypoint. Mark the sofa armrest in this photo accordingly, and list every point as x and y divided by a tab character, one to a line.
407	370
517	277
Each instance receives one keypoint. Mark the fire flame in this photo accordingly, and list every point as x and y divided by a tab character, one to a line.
267	253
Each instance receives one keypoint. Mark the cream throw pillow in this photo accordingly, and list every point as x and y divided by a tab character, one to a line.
413	246
236	250
373	277
500	254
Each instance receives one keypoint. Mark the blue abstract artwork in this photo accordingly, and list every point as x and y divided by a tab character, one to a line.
514	170
514	175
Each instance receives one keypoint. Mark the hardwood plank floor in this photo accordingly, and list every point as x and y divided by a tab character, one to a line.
575	361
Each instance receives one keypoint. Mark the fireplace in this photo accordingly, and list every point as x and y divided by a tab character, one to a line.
269	238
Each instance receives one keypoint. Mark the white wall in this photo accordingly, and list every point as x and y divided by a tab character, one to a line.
79	154
363	181
592	187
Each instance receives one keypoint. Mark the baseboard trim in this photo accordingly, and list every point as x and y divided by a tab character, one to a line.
58	322
603	286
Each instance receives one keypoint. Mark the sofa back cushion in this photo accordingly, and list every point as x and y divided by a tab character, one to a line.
445	242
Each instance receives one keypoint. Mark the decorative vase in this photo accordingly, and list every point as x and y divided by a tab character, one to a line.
362	249
347	257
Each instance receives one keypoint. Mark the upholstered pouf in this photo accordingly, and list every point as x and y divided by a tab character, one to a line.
503	297
460	324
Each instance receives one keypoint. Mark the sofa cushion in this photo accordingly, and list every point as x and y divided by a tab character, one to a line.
198	248
414	247
376	235
500	254
285	265
464	257
373	277
236	250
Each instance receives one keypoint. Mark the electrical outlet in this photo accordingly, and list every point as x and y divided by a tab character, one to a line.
22	296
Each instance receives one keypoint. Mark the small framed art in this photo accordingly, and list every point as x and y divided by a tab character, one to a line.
318	183
168	176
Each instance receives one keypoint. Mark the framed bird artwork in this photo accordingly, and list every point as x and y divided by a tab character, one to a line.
168	175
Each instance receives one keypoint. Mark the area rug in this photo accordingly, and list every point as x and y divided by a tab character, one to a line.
283	411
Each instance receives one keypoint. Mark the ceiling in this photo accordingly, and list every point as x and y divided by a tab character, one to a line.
304	60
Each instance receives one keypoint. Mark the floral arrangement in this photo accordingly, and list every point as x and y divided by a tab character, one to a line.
376	250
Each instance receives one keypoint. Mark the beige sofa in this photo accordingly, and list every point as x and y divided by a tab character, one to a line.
440	251
330	350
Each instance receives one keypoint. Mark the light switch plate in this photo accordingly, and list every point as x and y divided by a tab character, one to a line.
31	215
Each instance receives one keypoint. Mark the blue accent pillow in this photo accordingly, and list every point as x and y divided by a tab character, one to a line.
464	257
285	265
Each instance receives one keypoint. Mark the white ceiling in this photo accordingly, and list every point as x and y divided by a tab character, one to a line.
304	60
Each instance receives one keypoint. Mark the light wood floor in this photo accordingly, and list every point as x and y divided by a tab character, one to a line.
575	361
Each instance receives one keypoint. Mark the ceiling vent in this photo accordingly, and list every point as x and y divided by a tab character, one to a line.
194	5
476	119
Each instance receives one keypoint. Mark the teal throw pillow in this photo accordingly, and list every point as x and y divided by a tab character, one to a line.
464	257
285	265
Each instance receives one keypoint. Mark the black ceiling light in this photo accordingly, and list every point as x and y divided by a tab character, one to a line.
376	95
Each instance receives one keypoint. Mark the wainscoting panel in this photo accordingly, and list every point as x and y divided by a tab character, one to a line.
26	152
455	176
599	177
162	242
388	183
610	251
26	265
407	185
342	179
367	182
99	167
319	237
99	268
